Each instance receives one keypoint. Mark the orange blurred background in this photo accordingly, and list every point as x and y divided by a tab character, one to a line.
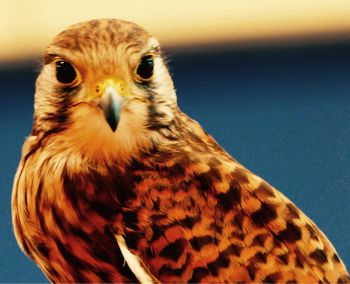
26	27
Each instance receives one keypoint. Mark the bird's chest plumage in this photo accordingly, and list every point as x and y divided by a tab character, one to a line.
68	230
154	204
190	215
176	223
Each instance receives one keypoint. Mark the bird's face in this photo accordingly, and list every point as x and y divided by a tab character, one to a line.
104	85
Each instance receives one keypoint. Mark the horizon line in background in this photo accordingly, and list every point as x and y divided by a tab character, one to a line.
257	45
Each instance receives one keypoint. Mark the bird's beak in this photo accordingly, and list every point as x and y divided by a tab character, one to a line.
112	94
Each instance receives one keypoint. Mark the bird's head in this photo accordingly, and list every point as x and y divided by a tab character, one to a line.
104	87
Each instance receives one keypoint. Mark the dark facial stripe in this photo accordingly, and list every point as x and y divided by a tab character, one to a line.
61	114
155	121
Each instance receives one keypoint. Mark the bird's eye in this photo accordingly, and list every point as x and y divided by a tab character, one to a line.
144	70
65	72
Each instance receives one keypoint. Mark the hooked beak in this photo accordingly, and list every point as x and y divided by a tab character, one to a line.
112	96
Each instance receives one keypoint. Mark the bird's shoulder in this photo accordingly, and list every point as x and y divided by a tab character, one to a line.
199	215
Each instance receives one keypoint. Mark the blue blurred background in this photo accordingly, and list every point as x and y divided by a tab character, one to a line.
283	112
270	82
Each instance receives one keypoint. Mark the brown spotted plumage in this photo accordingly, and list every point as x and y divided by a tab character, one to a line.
116	184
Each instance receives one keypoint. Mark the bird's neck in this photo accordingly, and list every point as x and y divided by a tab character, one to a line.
88	140
182	146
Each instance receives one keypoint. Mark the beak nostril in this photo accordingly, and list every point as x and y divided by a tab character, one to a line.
109	85
121	87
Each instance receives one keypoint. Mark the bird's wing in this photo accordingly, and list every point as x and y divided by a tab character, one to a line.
209	219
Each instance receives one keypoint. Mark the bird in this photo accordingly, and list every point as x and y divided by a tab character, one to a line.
117	184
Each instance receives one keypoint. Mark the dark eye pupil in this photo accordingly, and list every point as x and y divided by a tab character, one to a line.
65	72
145	68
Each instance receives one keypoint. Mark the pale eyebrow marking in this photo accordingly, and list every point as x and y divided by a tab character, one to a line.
153	45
